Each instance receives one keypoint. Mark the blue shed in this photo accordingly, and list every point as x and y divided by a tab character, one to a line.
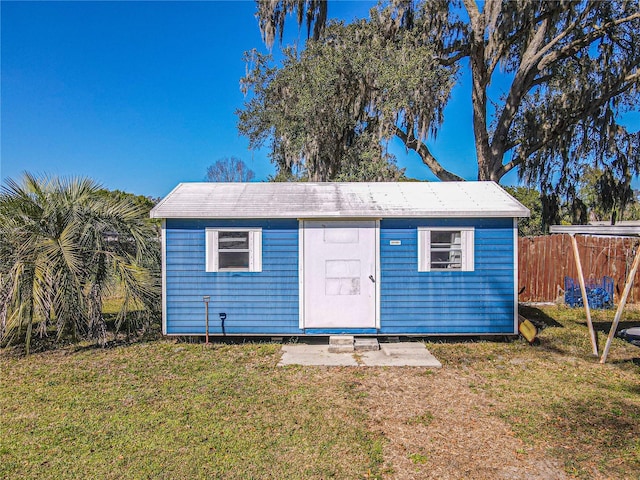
409	258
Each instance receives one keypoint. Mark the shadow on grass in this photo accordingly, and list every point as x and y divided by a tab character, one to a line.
538	317
558	348
605	326
118	342
128	334
623	362
604	429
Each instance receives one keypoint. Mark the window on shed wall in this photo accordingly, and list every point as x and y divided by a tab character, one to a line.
233	250
445	249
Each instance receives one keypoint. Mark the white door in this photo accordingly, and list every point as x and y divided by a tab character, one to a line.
339	274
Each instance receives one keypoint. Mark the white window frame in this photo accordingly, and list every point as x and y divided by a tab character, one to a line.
212	251
467	240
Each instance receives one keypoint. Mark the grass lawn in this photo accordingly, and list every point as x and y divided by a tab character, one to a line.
558	396
166	410
162	409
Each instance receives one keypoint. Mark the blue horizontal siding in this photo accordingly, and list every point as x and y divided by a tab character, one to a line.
412	302
477	302
263	302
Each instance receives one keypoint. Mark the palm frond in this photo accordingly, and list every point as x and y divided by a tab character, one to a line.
58	258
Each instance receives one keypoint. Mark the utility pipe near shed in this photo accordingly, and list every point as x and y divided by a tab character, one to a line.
206	299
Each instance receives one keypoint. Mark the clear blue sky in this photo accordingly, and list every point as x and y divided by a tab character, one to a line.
141	95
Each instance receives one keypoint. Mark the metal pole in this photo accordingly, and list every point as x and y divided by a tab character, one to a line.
583	290
205	299
623	301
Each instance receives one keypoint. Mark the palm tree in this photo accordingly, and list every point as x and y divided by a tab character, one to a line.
64	246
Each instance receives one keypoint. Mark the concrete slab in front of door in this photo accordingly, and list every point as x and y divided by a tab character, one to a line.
406	354
303	354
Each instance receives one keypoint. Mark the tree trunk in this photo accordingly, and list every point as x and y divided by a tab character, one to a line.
479	101
479	79
488	168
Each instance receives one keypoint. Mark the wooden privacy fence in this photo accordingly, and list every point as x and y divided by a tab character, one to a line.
544	261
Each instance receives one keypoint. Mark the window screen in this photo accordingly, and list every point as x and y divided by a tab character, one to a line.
233	250
445	249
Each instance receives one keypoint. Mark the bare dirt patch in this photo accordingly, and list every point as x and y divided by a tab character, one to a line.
437	426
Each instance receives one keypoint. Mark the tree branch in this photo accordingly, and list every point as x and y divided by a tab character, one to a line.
570	119
564	33
475	18
507	167
462	52
540	81
427	157
494	47
535	60
543	59
520	85
513	38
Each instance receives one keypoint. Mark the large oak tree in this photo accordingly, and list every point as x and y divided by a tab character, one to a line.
571	69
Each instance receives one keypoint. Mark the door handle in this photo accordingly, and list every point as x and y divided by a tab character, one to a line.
372	279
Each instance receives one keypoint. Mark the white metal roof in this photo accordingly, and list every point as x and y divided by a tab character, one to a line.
342	200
